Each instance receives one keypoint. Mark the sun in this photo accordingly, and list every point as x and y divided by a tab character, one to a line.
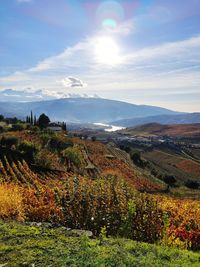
107	51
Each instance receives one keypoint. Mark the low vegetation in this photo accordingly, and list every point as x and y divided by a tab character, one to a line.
23	245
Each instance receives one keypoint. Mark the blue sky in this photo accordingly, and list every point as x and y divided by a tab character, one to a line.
139	51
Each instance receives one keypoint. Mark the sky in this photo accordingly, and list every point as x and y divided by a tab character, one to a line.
139	51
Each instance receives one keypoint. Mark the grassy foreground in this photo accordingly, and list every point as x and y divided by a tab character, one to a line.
23	245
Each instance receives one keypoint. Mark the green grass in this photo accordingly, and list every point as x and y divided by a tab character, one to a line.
23	245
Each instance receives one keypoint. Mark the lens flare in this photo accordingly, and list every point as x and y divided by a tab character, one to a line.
109	23
110	14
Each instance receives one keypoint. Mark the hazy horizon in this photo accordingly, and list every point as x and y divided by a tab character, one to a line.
141	52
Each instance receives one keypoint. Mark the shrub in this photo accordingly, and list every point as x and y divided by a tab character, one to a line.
57	143
169	179
154	172
41	205
136	157
73	154
192	184
33	128
45	158
29	149
17	127
110	203
45	138
9	141
11	205
93	138
143	221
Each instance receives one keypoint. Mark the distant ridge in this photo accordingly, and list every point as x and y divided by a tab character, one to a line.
82	110
185	118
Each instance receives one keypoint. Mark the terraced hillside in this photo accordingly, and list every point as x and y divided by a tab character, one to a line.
174	130
84	184
182	168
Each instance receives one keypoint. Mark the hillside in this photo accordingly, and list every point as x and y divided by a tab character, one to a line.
72	182
82	110
186	118
174	130
167	151
90	153
24	245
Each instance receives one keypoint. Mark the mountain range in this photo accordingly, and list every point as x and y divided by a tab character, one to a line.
82	110
74	108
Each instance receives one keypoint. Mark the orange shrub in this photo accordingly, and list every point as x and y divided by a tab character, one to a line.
184	219
11	205
41	205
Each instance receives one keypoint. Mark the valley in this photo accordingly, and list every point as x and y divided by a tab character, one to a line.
131	184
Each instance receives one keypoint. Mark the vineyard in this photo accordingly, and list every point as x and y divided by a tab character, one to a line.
182	168
87	185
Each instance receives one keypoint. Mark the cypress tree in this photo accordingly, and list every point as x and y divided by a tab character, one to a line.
31	119
35	120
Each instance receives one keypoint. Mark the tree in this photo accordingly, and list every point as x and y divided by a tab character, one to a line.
85	136
31	117
1	117
43	121
192	184
136	157
64	126
169	179
35	120
93	138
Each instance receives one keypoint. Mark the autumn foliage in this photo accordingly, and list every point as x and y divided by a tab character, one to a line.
11	202
109	199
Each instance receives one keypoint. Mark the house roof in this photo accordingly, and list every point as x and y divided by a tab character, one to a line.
54	124
90	166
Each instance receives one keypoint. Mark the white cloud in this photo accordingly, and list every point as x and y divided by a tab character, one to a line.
171	66
181	50
73	82
70	57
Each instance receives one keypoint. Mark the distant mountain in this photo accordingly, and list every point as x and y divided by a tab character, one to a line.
82	110
184	118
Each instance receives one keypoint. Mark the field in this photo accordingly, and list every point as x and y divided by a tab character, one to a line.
173	130
23	245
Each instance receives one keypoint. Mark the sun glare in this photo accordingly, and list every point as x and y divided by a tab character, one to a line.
107	51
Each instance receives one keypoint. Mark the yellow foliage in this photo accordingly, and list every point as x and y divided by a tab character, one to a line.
11	205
